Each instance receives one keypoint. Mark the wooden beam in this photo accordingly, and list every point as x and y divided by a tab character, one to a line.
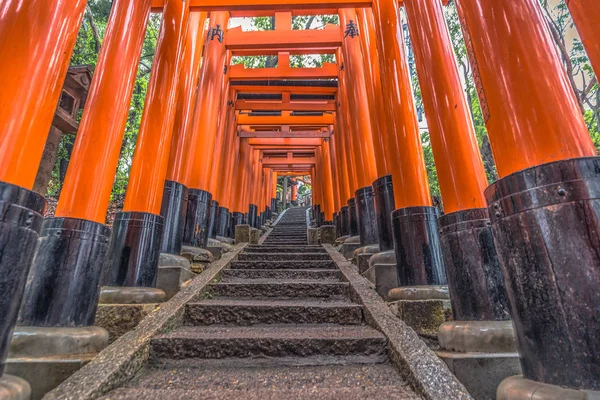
237	7
240	87
294	120
285	141
283	40
327	105
239	72
285	134
296	162
294	51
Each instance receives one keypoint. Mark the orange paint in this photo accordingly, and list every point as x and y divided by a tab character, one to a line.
216	170
196	173
187	92
86	190
274	183
335	175
282	39
239	176
327	185
403	142
586	15
149	167
36	41
368	45
355	86
458	162
527	102
224	176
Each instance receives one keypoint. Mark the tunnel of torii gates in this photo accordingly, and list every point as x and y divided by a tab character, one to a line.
214	137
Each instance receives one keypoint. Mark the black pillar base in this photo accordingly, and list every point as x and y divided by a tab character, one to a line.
213	219
344	221
546	226
237	218
417	246
367	219
134	250
196	220
383	191
352	218
274	203
252	215
224	221
173	211
20	223
64	283
474	277
336	223
246	219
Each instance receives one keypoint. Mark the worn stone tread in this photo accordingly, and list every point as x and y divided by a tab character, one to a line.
280	249
283	256
271	377
291	264
261	311
259	341
280	288
231	275
388	393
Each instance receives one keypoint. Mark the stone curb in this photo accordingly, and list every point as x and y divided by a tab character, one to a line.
426	373
265	236
119	362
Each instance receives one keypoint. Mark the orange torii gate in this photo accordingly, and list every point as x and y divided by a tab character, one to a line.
214	137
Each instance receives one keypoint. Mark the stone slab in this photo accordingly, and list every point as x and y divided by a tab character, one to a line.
46	373
215	247
118	319
14	388
478	336
426	292
242	234
199	258
254	235
45	357
313	236
131	295
362	261
481	373
383	276
172	279
327	234
424	316
349	245
519	388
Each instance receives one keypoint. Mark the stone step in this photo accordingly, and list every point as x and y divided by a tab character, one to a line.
258	311
283	257
381	392
293	264
283	249
354	381
217	342
286	242
280	289
314	274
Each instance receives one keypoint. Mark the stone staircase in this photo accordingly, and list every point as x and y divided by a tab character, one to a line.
278	325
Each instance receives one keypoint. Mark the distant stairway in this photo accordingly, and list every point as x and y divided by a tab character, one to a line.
278	325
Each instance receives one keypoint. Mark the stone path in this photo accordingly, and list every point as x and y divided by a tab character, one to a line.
278	325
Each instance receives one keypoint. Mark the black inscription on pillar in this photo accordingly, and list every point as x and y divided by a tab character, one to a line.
216	32
351	30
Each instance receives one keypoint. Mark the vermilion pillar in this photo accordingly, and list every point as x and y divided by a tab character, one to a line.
474	278
196	173
543	209
76	239
359	108
175	195
359	87
373	85
414	223
239	183
36	41
327	180
586	15
135	241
